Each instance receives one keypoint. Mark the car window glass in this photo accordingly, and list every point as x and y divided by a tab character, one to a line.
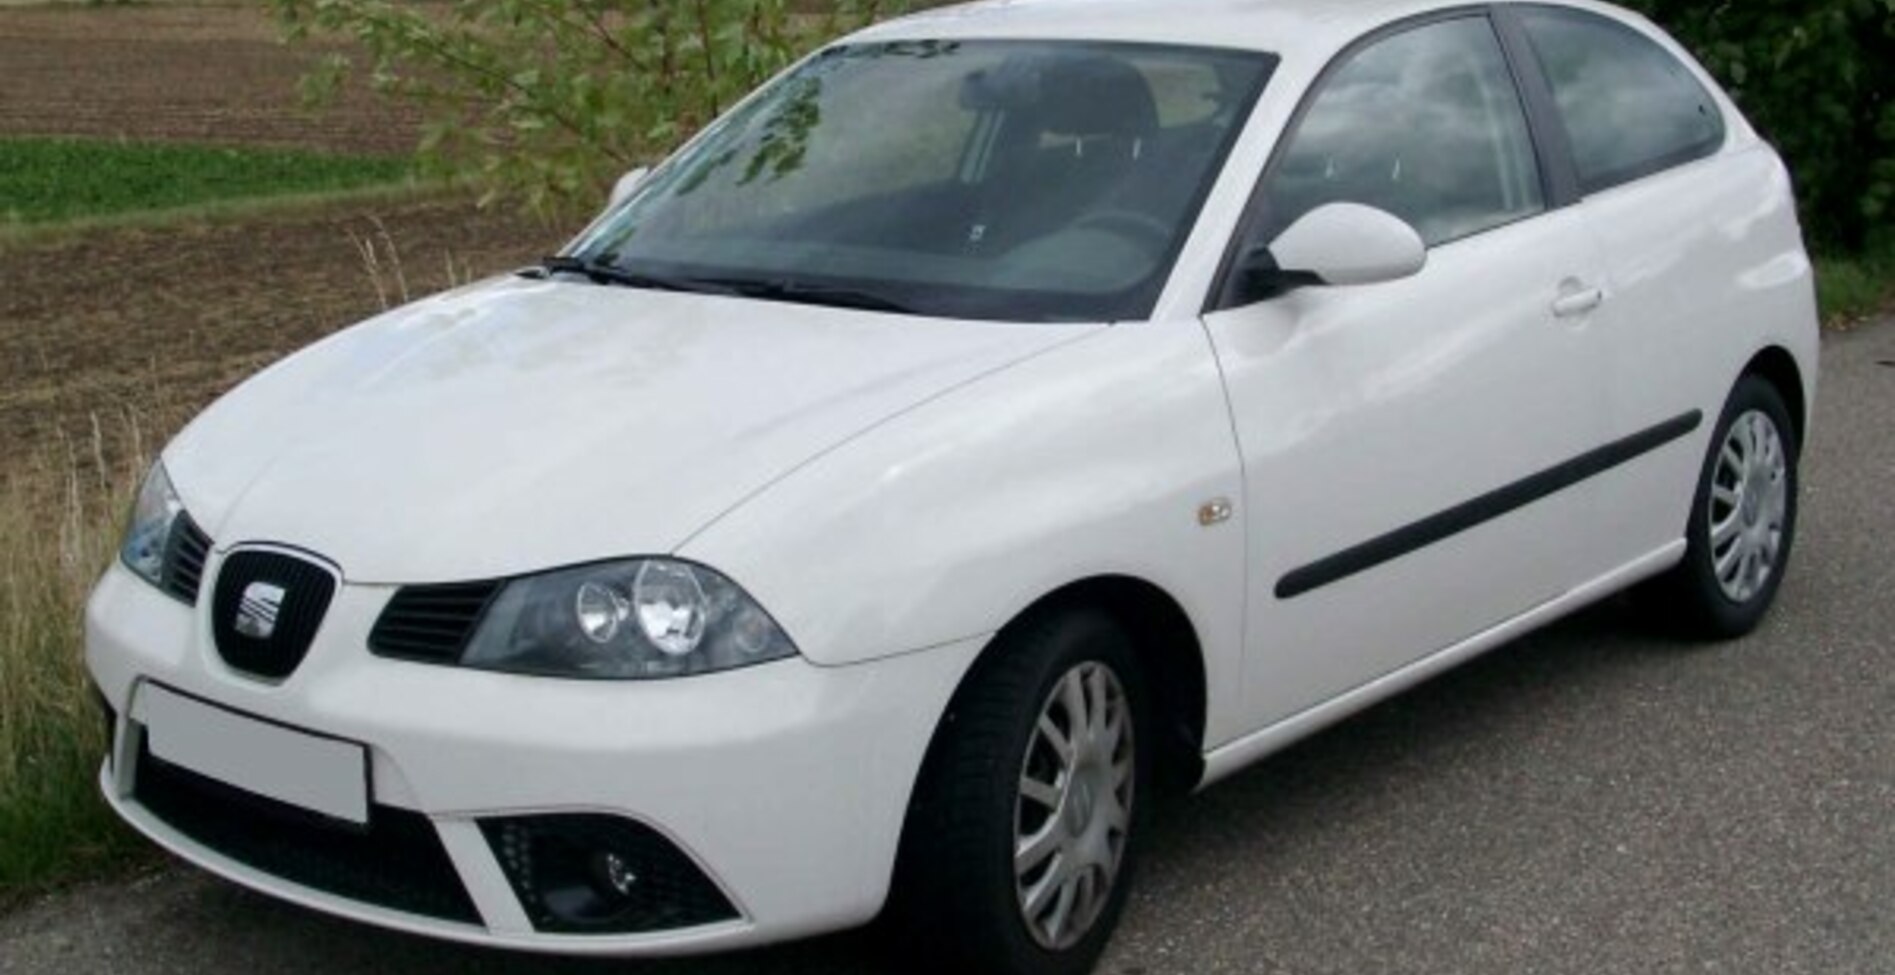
1427	125
1016	180
1187	92
831	148
1631	109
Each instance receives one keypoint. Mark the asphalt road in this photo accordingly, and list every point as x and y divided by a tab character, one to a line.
1594	799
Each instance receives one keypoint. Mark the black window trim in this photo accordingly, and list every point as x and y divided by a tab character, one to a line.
1558	179
1550	139
1515	15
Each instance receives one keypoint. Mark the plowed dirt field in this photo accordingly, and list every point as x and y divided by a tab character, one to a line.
139	328
134	329
214	74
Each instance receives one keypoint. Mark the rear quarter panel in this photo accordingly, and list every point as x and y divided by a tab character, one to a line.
1707	269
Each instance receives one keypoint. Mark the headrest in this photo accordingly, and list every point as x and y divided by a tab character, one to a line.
1066	94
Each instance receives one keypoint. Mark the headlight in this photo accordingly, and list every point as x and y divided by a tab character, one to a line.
637	619
153	516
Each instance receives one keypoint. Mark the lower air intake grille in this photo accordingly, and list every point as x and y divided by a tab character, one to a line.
431	623
397	863
266	609
594	874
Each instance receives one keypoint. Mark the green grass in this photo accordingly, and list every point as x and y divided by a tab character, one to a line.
49	181
1851	288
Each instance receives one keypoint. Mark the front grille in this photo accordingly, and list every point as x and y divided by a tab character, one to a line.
266	610
586	873
431	623
397	863
186	549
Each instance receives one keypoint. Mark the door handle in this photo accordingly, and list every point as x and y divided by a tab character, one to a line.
1576	299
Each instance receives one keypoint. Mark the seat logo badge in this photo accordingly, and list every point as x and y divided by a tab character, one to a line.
256	611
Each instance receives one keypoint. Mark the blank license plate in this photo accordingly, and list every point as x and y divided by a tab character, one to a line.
312	772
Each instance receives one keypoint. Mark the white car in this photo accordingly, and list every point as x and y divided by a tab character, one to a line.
1009	416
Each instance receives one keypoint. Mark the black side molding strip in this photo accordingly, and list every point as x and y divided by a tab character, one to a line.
1486	508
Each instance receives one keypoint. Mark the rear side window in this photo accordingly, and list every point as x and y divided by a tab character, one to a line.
1631	109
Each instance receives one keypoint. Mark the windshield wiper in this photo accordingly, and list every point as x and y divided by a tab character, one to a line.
782	289
808	293
603	273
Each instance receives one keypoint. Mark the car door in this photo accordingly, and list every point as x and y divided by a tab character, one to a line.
1401	441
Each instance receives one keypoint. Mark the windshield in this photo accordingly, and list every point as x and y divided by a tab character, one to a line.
1010	180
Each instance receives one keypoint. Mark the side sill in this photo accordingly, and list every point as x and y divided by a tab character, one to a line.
1227	759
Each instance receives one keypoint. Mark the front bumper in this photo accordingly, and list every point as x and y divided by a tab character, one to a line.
786	783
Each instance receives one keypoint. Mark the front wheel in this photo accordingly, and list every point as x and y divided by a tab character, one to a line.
1743	518
1021	839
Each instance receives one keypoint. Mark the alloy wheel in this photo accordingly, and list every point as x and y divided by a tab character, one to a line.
1748	506
1074	807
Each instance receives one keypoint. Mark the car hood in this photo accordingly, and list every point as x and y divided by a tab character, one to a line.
520	425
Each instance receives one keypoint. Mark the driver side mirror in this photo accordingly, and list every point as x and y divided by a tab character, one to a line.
1337	244
627	183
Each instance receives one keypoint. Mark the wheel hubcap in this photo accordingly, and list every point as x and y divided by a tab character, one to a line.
1074	806
1749	503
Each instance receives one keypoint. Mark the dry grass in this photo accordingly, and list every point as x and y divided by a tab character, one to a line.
381	262
60	517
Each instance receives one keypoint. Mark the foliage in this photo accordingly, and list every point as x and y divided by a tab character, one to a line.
50	180
1817	77
1857	287
551	100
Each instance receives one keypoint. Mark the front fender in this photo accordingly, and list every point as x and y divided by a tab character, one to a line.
946	522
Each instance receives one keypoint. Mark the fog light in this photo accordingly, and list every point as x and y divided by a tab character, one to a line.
593	874
612	872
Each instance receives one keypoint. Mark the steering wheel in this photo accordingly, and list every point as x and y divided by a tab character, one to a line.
1128	223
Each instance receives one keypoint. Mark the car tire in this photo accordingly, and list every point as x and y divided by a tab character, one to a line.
1743	520
959	898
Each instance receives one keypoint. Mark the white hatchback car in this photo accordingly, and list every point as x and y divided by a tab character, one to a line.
1011	414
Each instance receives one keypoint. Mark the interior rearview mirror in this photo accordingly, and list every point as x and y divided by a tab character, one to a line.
1336	244
626	184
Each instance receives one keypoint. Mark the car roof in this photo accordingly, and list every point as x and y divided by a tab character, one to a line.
1265	25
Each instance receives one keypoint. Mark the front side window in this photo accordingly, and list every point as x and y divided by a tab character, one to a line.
1631	109
1034	181
1425	124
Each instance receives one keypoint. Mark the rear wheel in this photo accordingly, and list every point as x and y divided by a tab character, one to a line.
1020	843
1743	519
